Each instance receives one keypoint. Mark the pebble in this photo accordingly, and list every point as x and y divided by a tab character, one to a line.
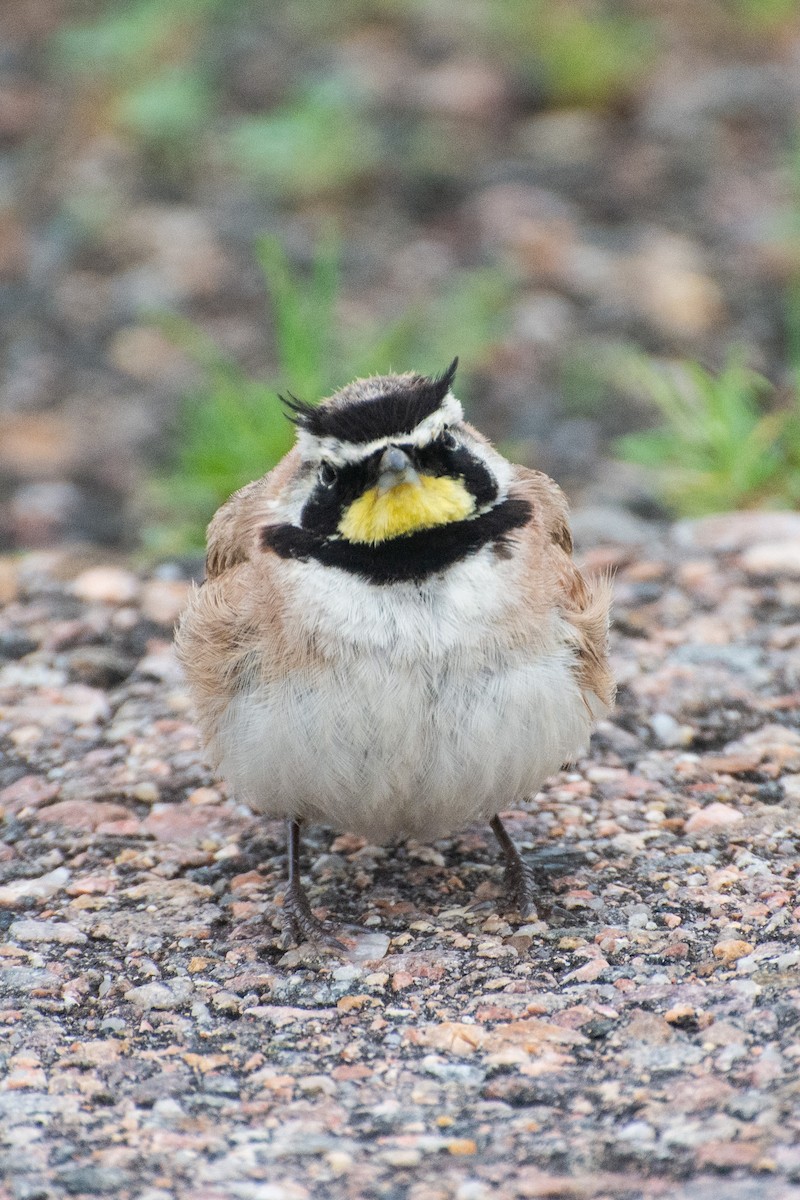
714	816
163	600
160	995
106	585
669	286
597	525
38	444
82	814
670	732
473	1189
99	666
30	791
30	931
637	1131
731	949
773	558
39	888
147	354
736	532
461	88
9	584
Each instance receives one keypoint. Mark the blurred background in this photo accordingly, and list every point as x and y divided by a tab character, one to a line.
596	205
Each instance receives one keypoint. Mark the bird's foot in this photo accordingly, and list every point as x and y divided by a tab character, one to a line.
301	925
522	880
522	891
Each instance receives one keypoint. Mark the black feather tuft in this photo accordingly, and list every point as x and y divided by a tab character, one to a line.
395	412
446	378
298	411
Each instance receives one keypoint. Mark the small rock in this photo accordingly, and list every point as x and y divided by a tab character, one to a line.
177	252
91	885
589	972
31	931
314	1085
168	1111
565	137
161	995
468	90
34	889
40	514
669	286
773	558
462	1146
637	1131
204	796
9	580
99	666
543	318
732	532
598	524
106	585
83	814
670	732
146	353
146	792
473	1189
403	1156
95	1180
38	445
731	949
28	792
163	600
226	1002
680	1014
14	643
368	947
714	816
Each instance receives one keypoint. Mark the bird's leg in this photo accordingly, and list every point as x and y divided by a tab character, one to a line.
521	882
301	923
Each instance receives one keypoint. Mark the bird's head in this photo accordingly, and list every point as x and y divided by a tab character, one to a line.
389	456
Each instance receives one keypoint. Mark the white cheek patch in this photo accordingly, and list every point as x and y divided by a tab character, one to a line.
338	453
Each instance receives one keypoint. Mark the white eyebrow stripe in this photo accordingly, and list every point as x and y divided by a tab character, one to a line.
340	453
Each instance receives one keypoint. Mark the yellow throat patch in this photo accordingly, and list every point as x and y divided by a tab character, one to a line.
433	500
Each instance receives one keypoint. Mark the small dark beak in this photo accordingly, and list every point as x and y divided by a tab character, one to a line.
395	467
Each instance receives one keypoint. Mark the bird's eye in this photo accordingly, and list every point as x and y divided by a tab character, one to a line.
449	440
327	475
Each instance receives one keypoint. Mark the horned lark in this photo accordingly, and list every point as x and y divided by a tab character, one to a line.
392	638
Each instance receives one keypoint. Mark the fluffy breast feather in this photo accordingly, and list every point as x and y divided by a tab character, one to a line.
413	709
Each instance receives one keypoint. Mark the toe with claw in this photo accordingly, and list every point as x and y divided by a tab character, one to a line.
301	924
522	882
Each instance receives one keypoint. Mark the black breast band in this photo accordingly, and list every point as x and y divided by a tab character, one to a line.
411	557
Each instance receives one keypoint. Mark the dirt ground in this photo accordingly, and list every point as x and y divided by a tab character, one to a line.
639	1040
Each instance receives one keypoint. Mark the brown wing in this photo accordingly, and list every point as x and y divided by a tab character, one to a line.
232	536
554	578
235	622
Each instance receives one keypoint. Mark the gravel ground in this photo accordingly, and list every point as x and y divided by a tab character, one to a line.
639	1041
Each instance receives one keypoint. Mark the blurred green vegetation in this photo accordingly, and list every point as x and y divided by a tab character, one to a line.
234	429
762	15
147	69
154	72
582	54
719	448
319	141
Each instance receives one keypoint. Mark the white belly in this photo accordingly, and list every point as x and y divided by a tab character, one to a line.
415	725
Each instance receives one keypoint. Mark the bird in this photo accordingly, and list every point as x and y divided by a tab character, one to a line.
392	638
